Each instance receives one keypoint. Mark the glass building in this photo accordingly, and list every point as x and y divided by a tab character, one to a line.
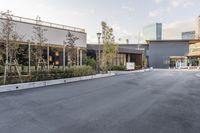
153	32
188	35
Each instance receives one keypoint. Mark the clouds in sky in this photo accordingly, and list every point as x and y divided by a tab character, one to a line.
177	3
127	17
156	13
166	6
172	30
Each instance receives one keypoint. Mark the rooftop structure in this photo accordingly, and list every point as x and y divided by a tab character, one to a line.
43	23
54	33
188	35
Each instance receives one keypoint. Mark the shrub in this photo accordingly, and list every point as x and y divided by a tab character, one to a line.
80	71
118	68
138	67
74	71
89	62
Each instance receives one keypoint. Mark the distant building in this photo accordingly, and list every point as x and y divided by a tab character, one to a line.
167	53
197	28
153	32
188	35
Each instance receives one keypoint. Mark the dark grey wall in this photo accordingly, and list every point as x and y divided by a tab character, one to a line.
160	52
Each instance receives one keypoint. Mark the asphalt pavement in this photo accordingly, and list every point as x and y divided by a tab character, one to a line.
149	102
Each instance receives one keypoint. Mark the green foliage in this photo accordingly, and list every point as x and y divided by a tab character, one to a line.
138	67
144	62
89	62
75	71
109	47
118	68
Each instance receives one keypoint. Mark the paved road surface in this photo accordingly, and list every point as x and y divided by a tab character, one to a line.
150	102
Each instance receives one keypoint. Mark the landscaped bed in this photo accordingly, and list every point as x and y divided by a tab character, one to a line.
76	71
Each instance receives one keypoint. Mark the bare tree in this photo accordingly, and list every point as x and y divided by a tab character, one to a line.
72	50
10	40
40	40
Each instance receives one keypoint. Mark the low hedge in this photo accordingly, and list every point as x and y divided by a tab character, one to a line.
118	68
75	71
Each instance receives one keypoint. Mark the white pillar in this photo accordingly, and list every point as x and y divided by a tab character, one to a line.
77	56
124	59
81	57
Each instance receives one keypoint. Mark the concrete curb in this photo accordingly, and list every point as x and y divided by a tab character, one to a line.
24	86
30	85
129	72
178	70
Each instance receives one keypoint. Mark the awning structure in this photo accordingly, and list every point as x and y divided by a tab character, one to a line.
121	49
194	54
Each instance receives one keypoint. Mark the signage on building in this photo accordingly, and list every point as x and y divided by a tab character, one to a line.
130	66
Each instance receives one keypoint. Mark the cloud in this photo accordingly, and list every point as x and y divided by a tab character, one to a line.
173	30
188	4
128	8
172	4
155	13
158	1
177	3
121	34
181	3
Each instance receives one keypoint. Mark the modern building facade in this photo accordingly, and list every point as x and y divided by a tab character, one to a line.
194	54
126	53
55	36
166	53
189	35
153	32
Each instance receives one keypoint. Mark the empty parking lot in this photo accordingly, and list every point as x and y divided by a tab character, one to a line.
150	102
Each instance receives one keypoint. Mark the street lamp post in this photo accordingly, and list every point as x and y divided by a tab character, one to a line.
99	51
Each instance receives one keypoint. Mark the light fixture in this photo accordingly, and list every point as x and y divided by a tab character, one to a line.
57	62
57	53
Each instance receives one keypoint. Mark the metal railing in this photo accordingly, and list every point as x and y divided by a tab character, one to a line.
43	23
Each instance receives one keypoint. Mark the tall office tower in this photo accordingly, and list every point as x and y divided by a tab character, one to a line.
197	28
153	32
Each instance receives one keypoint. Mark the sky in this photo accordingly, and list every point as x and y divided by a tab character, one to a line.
126	17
